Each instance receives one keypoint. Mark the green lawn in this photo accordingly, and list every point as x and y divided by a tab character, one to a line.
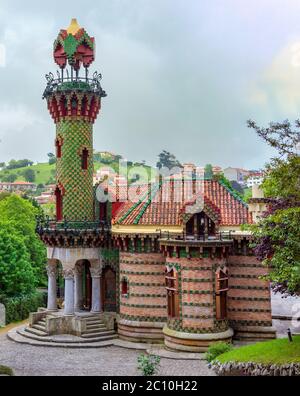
42	172
278	351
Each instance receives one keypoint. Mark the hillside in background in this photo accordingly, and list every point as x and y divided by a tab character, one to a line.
44	173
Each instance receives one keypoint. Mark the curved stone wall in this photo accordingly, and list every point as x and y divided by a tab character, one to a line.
197	326
143	311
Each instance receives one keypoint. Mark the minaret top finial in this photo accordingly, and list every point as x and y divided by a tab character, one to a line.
74	27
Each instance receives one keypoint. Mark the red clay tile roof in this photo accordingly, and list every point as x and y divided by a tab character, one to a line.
166	204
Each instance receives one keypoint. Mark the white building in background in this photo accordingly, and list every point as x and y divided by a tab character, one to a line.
254	179
17	186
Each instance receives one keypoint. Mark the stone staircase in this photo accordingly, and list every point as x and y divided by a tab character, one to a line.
96	331
38	329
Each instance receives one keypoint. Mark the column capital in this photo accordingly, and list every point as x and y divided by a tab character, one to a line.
68	273
51	270
96	272
78	270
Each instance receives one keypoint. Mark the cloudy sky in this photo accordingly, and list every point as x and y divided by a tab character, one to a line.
181	75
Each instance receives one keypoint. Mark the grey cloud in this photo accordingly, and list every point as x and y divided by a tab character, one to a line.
177	73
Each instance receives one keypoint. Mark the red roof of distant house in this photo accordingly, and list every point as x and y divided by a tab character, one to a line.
18	183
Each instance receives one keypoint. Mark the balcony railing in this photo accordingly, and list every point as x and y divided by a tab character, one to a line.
71	82
218	236
45	224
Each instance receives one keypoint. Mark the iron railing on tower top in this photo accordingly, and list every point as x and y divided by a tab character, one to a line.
69	82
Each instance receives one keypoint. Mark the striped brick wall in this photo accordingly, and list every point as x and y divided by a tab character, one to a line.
249	301
197	295
146	299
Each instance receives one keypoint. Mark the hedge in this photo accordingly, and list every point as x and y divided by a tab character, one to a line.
18	308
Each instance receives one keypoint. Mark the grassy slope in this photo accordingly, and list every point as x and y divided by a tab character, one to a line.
42	172
278	351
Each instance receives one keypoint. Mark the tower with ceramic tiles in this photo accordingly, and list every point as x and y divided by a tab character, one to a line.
75	236
74	103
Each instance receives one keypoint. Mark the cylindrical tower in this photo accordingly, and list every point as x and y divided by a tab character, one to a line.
74	103
74	238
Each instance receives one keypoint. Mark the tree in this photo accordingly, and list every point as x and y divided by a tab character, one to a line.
223	180
237	187
29	175
208	172
9	177
13	164
167	160
51	158
277	237
19	214
2	164
16	274
4	194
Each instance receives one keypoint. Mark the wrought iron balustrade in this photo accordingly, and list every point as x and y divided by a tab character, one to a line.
71	82
47	224
218	236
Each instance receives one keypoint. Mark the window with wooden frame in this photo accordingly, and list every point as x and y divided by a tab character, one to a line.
221	294
59	204
172	292
124	287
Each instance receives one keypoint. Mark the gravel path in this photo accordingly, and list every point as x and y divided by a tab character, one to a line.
108	361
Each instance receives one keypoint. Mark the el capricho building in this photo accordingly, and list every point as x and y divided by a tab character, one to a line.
171	265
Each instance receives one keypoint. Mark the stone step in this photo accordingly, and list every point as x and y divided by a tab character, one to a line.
36	331
97	330
100	334
94	322
95	326
20	335
39	327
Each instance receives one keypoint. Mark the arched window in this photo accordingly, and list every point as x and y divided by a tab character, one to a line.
172	292
124	287
84	159
84	106
59	204
221	294
74	106
103	211
63	103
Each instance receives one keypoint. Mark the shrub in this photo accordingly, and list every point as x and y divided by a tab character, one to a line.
216	349
148	364
18	308
6	370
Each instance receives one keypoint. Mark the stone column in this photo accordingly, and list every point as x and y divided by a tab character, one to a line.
69	292
51	271
78	288
96	289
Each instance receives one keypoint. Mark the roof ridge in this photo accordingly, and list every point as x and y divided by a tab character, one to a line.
232	193
145	206
131	209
